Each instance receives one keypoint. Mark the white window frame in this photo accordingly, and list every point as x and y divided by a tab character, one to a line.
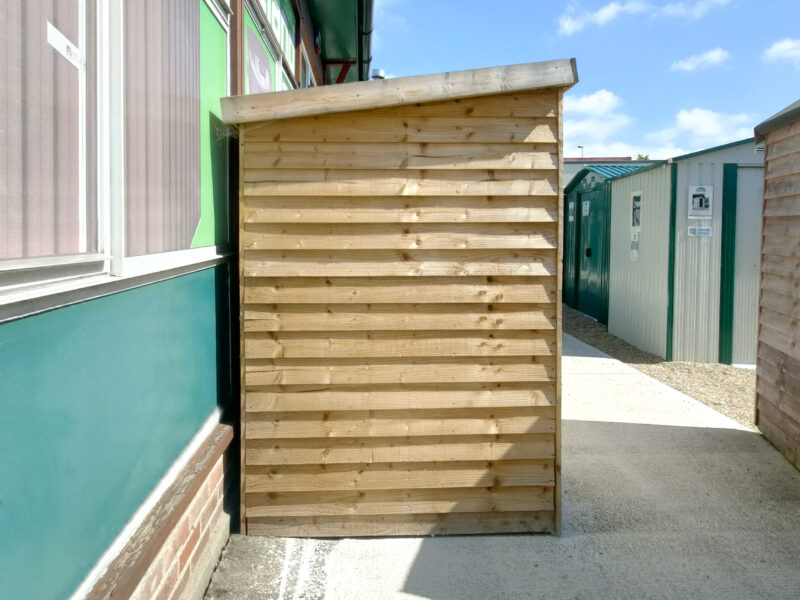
309	72
33	285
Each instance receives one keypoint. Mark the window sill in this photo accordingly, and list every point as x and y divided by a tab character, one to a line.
20	303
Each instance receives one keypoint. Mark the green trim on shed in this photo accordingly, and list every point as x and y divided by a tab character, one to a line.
727	275
714	149
673	214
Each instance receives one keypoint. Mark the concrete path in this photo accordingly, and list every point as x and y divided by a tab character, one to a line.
663	498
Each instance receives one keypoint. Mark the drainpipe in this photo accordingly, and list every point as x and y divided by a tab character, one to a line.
363	56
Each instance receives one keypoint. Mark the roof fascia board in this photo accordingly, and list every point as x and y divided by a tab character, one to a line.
363	95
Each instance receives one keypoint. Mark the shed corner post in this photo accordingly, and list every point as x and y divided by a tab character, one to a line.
673	215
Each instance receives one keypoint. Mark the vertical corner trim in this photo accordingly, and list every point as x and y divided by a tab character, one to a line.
673	210
727	274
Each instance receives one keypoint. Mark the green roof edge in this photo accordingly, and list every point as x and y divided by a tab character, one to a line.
714	149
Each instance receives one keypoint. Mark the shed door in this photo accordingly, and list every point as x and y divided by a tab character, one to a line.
591	290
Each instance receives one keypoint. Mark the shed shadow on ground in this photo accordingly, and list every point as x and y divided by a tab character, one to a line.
648	511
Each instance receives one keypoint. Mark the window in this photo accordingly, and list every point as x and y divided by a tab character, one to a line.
48	195
162	125
113	157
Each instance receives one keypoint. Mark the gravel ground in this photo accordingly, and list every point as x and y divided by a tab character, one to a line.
726	389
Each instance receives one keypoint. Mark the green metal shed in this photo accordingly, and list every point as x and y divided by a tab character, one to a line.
587	210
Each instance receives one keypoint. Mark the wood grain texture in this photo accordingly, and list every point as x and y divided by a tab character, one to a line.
400	317
400	209
778	359
540	80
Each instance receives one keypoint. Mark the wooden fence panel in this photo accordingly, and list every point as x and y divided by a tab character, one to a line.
401	319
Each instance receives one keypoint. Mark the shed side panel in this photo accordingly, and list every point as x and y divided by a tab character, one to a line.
400	319
697	266
637	311
778	362
748	247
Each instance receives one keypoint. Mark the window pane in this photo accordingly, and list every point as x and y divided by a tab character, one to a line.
162	125
44	209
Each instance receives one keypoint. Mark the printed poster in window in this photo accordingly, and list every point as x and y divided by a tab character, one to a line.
701	201
636	211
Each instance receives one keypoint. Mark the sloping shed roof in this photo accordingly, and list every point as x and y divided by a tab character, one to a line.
607	171
788	115
399	91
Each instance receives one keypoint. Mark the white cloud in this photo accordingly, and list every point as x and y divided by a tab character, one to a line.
785	49
387	17
701	61
597	122
575	20
703	128
599	103
690	10
592	120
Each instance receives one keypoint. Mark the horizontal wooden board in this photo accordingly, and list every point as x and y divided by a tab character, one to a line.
332	182
550	76
398	263
784	166
783	266
356	424
397	397
412	524
379	128
782	246
407	371
543	103
436	236
782	187
781	388
435	209
399	476
379	344
782	207
773	333
311	155
780	285
397	317
403	501
781	226
779	303
375	290
412	449
783	146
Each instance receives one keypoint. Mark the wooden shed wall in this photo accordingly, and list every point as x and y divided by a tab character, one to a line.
401	319
778	368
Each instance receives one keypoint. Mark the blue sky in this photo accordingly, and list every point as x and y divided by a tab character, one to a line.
660	77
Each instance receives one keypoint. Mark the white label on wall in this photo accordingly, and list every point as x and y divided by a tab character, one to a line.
634	246
699	231
585	209
701	201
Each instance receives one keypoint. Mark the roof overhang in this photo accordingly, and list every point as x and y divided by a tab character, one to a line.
788	115
399	91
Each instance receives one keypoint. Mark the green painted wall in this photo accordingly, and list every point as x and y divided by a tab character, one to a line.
98	399
214	140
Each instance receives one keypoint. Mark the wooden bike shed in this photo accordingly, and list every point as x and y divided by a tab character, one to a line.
400	262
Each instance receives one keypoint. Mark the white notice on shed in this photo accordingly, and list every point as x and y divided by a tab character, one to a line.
634	246
701	201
